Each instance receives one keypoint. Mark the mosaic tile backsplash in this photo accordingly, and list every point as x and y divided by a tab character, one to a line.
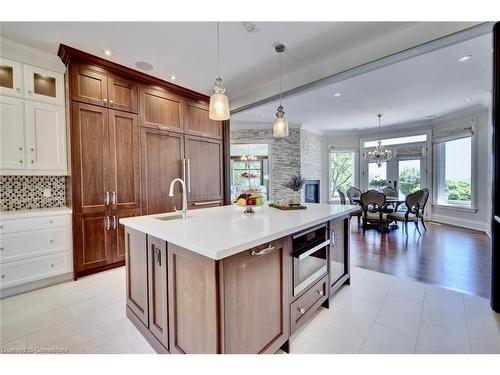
26	192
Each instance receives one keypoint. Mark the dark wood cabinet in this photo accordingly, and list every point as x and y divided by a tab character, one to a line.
124	173
255	290
118	247
137	274
160	109
94	85
162	154
89	157
157	287
339	254
205	168
197	121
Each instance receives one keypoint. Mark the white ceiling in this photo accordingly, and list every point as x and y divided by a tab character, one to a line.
249	63
435	83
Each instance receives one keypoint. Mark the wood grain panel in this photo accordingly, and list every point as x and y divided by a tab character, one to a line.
90	157
88	85
137	273
160	109
205	157
122	94
162	153
158	293
192	300
124	157
256	300
197	121
118	248
90	238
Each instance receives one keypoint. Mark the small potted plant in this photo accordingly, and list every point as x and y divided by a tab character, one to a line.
295	183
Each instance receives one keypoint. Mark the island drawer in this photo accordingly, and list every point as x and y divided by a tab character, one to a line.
305	305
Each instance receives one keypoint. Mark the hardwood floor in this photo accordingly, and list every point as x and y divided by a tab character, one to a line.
452	257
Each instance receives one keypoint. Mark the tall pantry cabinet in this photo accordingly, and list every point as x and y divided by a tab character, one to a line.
131	135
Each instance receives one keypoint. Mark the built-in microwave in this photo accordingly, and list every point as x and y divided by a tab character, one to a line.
310	257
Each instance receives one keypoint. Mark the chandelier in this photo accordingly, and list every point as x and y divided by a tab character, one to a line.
380	155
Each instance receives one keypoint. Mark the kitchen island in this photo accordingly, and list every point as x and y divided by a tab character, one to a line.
227	282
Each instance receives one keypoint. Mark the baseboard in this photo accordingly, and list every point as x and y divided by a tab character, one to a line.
28	287
464	223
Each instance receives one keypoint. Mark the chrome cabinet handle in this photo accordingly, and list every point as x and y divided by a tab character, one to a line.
18	89
107	222
106	198
166	128
104	100
314	249
114	222
321	293
158	256
30	92
113	197
332	238
110	103
265	251
188	176
302	310
205	203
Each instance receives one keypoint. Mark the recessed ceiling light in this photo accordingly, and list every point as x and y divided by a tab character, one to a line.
172	77
468	99
465	58
250	27
143	65
107	52
337	94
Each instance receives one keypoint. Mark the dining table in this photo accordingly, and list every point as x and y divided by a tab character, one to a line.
393	201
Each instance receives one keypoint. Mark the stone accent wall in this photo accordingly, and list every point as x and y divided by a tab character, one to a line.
26	192
284	157
310	157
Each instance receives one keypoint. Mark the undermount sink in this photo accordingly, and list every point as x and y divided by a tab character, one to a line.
169	217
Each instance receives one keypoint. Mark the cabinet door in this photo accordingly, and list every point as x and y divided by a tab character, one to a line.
160	109
137	273
124	174
157	279
90	158
192	302
11	77
118	248
43	85
255	290
92	240
89	85
197	121
204	177
46	137
122	94
339	252
12	152
162	154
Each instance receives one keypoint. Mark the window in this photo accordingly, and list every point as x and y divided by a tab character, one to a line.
249	169
377	176
454	172
342	171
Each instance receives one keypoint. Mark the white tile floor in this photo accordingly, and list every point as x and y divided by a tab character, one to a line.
377	313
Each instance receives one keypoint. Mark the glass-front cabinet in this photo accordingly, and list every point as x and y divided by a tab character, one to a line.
43	85
11	77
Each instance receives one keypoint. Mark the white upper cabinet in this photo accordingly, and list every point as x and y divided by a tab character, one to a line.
43	85
45	137
11	77
12	133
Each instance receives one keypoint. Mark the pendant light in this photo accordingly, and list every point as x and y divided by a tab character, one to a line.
219	103
380	155
280	126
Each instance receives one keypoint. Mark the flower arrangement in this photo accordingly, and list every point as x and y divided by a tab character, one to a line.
295	182
378	183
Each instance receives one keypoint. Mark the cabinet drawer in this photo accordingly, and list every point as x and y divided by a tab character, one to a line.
34	223
305	305
25	271
21	245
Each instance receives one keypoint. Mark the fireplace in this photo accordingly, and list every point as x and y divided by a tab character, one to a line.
311	194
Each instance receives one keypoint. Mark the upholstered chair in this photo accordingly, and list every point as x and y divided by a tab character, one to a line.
425	198
358	213
353	193
413	203
372	203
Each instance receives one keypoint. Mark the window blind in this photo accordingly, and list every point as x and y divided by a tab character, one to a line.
410	152
452	132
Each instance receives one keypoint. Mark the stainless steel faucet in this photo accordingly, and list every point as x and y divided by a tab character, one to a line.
184	196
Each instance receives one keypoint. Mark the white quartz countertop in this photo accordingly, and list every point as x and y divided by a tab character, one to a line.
17	214
220	232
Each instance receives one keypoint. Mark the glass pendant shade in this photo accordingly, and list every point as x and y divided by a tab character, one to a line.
219	103
380	155
280	126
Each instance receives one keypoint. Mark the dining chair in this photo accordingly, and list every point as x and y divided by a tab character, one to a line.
353	193
425	198
390	192
358	213
413	203
372	203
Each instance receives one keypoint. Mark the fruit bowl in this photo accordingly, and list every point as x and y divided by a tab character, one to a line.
248	201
